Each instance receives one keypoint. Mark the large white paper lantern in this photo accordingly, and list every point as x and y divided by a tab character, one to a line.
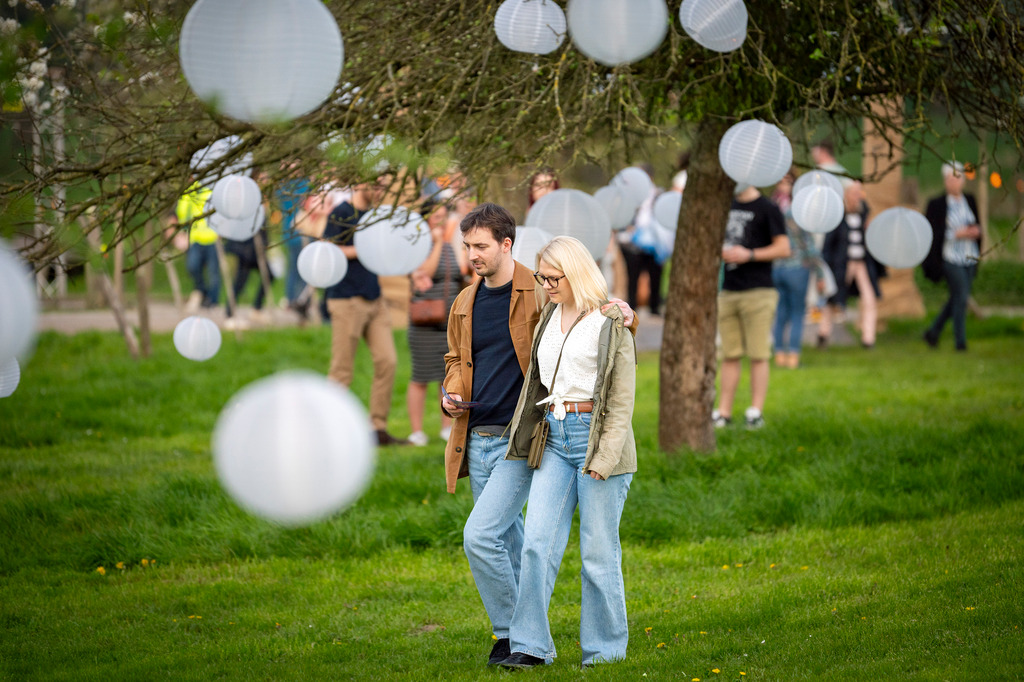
719	25
755	153
529	240
18	306
818	209
197	338
10	376
818	178
666	209
899	237
209	156
618	204
293	448
613	32
262	61
236	197
392	240
239	229
635	184
534	26
322	264
576	214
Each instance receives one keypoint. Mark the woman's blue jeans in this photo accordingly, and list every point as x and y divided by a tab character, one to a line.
558	487
791	283
201	263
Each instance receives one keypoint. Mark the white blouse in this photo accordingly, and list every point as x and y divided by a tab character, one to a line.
577	373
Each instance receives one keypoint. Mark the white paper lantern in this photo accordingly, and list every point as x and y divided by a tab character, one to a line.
322	264
236	197
613	32
10	376
392	240
576	214
755	153
197	338
719	25
240	229
534	26
666	209
818	178
209	156
293	448
899	237
817	208
618	204
262	61
529	240
635	184
18	306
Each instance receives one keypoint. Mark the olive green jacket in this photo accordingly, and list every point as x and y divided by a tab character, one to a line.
611	449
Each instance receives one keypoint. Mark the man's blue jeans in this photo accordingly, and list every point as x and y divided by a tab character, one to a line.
791	283
959	279
559	485
201	263
493	537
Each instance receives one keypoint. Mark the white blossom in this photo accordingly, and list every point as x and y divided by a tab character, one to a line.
70	4
8	26
37	68
131	18
30	98
59	92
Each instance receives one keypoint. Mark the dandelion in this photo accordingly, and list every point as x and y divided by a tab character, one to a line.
742	673
648	630
715	670
804	568
494	637
969	608
725	567
145	562
661	645
101	570
773	566
119	565
703	633
739	565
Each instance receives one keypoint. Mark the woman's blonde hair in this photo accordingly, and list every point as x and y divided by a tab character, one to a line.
568	254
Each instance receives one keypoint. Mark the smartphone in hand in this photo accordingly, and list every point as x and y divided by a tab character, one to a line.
461	404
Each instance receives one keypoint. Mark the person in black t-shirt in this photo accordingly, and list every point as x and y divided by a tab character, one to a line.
754	236
359	311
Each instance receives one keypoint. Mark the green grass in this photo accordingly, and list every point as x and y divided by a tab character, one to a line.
874	529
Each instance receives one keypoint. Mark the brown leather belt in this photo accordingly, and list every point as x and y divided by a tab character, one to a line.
576	407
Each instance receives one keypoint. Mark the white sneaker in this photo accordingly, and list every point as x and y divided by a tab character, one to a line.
418	438
754	418
235	324
195	299
446	433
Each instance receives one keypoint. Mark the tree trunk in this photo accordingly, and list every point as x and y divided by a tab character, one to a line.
688	362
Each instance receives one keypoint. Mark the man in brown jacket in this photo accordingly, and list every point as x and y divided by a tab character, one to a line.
485	365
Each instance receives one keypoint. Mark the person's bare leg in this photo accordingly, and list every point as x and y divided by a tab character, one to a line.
730	380
415	400
758	383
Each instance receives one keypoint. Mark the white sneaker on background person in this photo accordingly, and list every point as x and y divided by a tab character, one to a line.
195	299
418	438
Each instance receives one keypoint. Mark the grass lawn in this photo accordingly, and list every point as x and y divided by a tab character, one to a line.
874	529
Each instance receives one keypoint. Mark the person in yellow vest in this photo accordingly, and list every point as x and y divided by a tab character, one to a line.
201	258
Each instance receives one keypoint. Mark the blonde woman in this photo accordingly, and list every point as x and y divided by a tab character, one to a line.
581	379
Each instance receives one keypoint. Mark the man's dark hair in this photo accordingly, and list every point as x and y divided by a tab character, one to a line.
492	217
827	144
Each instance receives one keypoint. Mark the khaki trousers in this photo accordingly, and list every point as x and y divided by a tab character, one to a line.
353	319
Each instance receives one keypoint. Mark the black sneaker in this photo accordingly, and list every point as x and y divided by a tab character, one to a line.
520	660
719	421
931	339
499	652
385	438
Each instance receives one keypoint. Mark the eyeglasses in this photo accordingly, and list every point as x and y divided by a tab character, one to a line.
544	279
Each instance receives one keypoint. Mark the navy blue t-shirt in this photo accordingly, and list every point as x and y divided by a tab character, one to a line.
358	281
497	376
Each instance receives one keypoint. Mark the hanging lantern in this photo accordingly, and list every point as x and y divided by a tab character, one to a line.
617	204
392	240
666	209
18	306
818	178
293	448
534	26
197	338
614	32
10	376
719	25
755	153
236	197
635	184
817	208
261	61
240	229
209	156
899	237
529	240
322	264
576	214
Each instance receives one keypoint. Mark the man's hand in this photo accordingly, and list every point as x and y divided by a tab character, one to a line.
736	254
627	312
596	476
450	407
